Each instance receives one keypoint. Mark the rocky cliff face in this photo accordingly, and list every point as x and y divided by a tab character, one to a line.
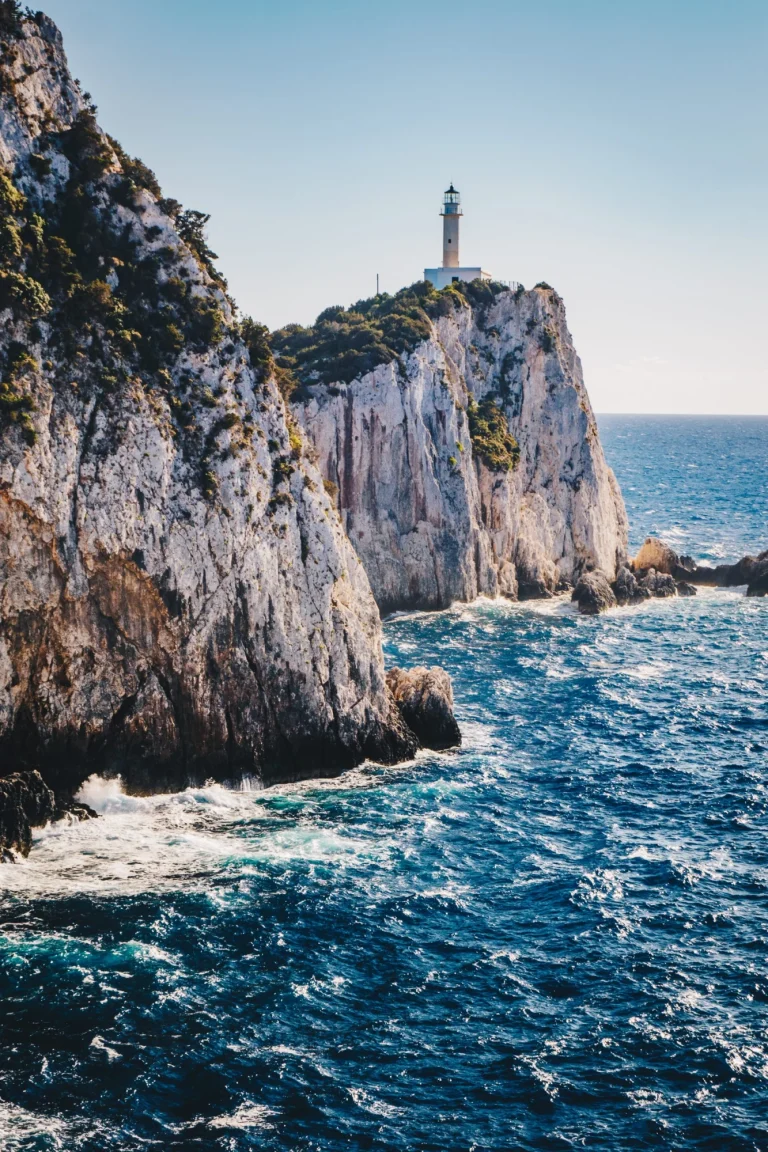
436	507
177	596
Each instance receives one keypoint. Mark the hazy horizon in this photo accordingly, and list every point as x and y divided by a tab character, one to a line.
617	154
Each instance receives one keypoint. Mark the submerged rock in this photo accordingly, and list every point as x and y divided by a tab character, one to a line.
685	589
424	697
594	594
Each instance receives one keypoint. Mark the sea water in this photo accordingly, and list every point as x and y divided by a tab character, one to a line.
555	938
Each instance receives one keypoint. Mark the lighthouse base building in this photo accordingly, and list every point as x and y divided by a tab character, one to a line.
442	277
451	270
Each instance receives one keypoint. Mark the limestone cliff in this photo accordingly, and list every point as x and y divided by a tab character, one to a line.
177	595
435	506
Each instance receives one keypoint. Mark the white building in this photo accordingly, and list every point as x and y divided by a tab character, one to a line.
451	270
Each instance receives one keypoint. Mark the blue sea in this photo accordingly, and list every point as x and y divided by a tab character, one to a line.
556	938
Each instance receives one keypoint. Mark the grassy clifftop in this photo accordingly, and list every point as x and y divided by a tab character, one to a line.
345	343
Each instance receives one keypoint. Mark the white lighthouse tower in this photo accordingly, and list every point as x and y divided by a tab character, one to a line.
451	270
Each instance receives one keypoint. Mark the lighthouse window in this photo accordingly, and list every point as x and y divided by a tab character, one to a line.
449	240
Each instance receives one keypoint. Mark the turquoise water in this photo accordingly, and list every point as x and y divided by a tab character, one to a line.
556	938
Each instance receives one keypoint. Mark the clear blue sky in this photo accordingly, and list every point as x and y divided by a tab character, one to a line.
616	149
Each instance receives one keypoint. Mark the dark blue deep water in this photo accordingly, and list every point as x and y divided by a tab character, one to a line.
554	939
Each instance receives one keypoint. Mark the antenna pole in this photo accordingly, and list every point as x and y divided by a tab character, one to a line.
377	283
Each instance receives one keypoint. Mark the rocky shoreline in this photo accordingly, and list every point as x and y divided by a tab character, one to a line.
658	571
26	802
423	698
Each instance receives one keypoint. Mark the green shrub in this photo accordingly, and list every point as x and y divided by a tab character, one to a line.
491	439
294	437
12	201
16	407
280	500
205	323
548	339
34	235
256	339
191	228
86	148
16	404
24	294
345	343
210	484
282	469
136	171
170	206
10	18
543	284
10	241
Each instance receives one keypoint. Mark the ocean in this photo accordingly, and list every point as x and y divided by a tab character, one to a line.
554	938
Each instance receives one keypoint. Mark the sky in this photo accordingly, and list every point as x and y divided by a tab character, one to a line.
616	149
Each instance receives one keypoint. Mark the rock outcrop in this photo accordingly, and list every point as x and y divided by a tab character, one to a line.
593	593
25	802
659	584
626	588
424	697
469	462
178	599
758	582
750	570
656	554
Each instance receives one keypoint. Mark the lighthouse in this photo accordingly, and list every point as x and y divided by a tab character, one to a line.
452	270
451	215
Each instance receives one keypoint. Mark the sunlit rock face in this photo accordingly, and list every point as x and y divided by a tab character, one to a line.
178	598
432	517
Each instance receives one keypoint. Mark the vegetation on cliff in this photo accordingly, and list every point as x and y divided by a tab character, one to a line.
99	297
345	343
491	438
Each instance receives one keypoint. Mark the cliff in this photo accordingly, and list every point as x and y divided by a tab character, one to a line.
460	444
178	598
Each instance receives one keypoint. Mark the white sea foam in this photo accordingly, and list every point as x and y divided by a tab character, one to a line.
245	1117
19	1127
179	841
100	1044
370	1104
